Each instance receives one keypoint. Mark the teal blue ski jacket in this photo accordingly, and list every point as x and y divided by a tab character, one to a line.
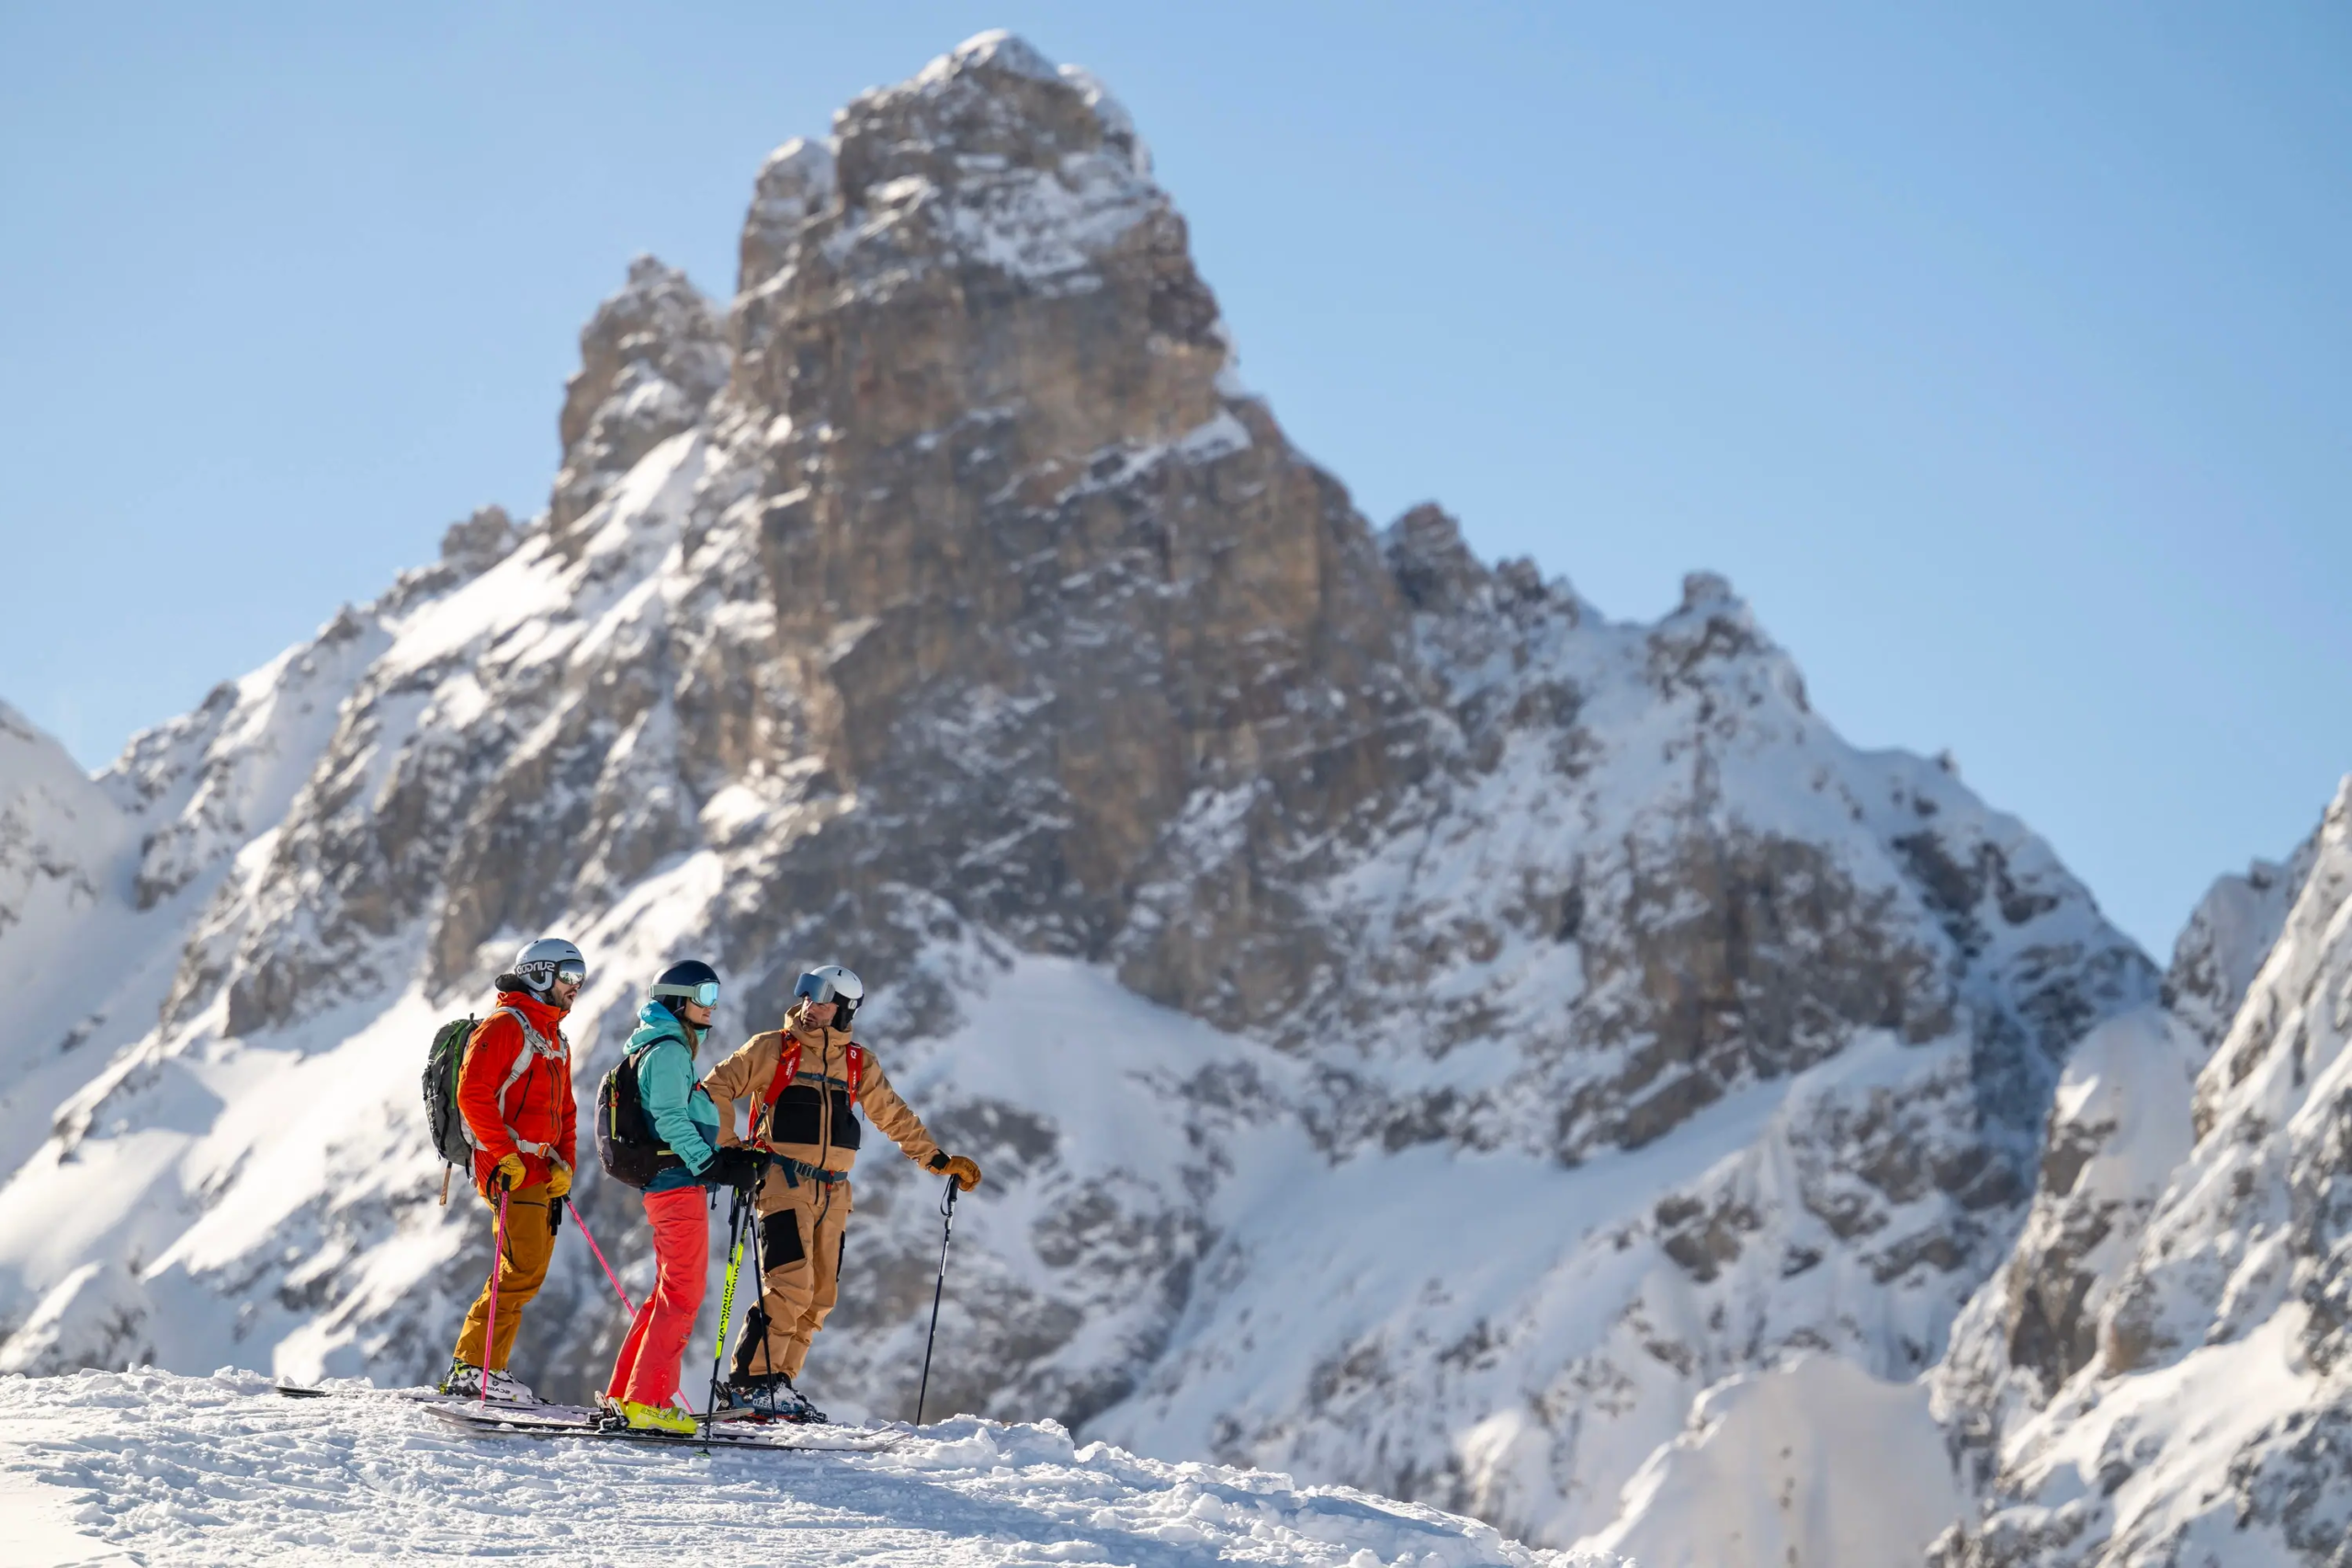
683	1116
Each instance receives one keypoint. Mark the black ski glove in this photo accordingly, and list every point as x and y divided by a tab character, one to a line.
736	1165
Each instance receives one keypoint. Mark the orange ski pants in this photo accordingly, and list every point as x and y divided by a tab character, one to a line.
522	1270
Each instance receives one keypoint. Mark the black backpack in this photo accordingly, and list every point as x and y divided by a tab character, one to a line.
441	1113
627	1145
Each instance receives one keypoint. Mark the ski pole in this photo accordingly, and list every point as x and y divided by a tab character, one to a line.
947	1211
614	1279
725	1299
757	1317
490	1324
610	1278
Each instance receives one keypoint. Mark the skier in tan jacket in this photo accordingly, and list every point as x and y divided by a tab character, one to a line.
805	1083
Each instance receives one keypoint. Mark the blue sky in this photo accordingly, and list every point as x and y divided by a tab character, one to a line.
2002	358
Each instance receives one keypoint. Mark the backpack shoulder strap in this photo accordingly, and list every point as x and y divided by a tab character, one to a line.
787	1067
534	1045
855	1067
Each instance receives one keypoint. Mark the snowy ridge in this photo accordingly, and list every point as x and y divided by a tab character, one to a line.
2229	936
1372	979
2201	1417
220	1470
59	834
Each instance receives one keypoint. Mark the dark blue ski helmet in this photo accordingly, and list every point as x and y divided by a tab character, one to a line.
691	980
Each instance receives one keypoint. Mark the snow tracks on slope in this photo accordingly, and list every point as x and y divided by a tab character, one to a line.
217	1470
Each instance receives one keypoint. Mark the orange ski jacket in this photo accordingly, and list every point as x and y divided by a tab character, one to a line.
515	1090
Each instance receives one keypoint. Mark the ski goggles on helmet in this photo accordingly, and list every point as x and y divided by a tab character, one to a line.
703	996
823	987
835	984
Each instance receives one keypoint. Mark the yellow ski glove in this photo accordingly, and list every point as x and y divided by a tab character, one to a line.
966	1174
559	1179
508	1173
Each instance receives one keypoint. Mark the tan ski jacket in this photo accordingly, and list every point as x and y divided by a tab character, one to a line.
813	1120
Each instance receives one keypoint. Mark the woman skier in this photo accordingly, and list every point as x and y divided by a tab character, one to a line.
670	1027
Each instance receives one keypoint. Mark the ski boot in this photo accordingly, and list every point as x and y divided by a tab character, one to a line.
464	1380
767	1397
505	1389
628	1414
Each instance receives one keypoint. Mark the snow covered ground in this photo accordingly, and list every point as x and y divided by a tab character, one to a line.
146	1467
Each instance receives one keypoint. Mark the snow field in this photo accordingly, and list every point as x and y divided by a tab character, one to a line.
1814	1461
221	1469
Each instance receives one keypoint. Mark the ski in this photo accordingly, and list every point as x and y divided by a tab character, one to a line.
569	1415
424	1396
517	1423
300	1390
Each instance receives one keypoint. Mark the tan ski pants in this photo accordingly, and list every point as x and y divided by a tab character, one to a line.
802	1230
522	1270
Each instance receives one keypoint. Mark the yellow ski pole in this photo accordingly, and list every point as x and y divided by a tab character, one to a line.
726	1306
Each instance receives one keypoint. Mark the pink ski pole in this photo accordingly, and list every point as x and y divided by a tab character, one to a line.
614	1279
490	1327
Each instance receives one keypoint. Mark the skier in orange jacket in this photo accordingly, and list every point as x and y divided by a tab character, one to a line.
514	1091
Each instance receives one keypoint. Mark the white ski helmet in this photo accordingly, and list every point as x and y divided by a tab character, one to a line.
836	985
541	964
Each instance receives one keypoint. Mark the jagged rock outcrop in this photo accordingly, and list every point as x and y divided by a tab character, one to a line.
2185	1401
649	363
2229	935
479	542
2120	1124
1373	979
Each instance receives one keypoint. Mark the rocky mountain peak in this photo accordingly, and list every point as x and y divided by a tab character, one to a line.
1435	571
475	544
650	360
793	185
1713	642
990	188
2229	934
993	103
1709	592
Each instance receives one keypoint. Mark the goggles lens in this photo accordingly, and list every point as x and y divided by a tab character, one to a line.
707	994
572	970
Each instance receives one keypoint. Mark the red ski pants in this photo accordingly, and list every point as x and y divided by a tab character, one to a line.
647	1371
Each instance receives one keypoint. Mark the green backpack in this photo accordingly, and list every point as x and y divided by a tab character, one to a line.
451	1140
